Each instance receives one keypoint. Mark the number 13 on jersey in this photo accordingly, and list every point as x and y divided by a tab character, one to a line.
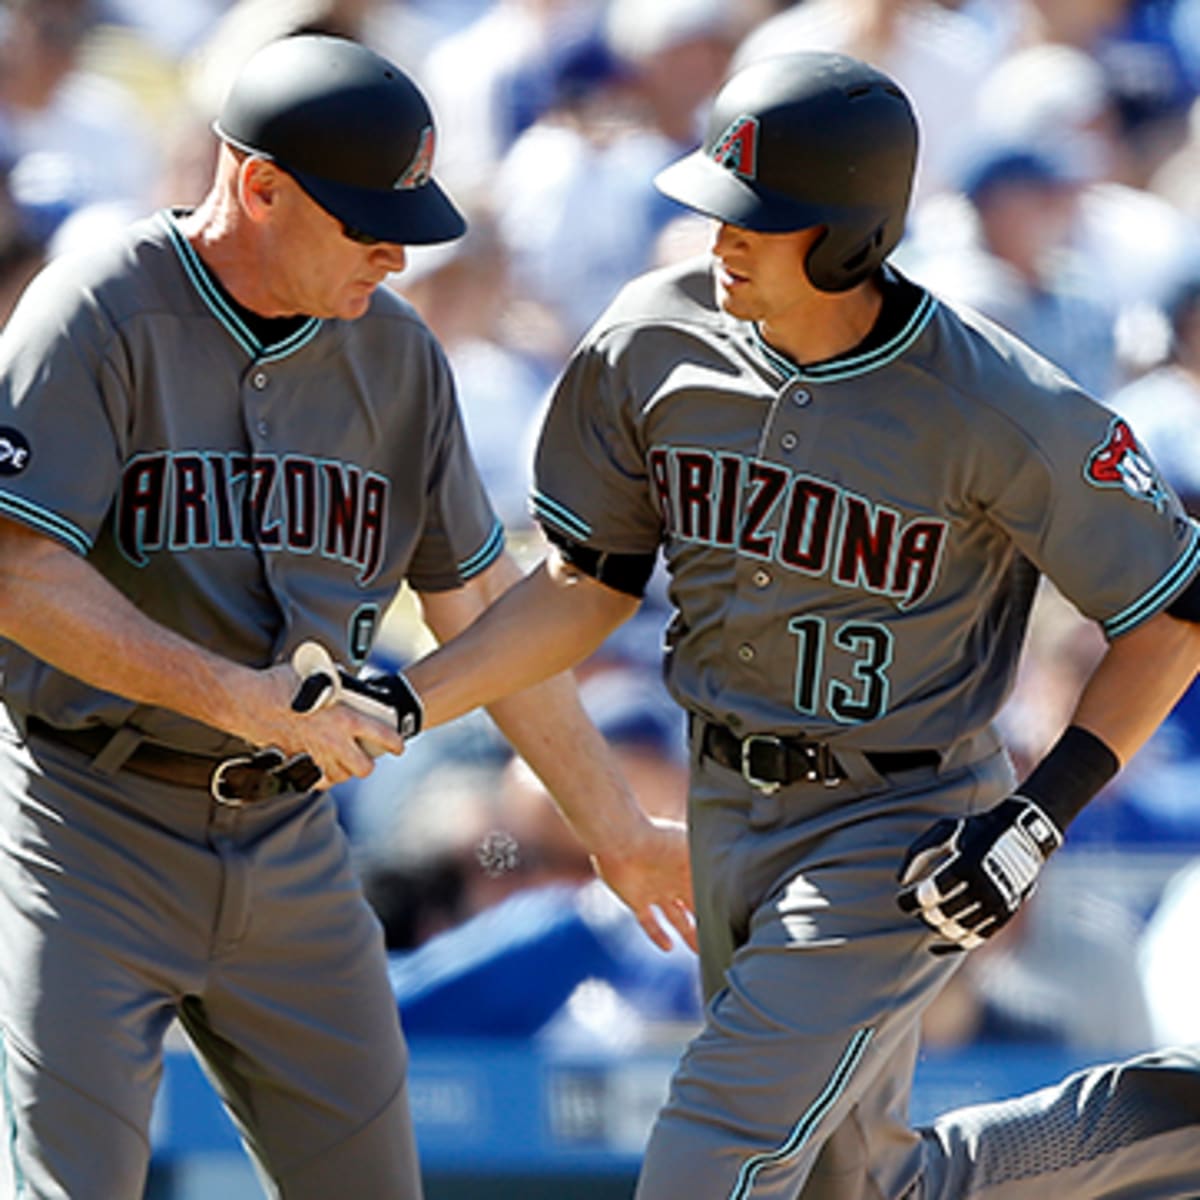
862	694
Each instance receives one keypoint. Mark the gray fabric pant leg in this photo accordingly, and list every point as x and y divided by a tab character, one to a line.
125	902
1126	1131
804	1064
797	1086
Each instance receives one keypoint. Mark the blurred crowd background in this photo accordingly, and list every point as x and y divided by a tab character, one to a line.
1058	192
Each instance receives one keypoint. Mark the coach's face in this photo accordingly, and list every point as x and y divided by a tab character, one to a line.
316	267
761	276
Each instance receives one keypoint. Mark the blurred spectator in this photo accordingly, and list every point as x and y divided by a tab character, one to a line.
1003	247
464	292
934	52
173	29
574	195
389	26
72	137
491	79
1128	242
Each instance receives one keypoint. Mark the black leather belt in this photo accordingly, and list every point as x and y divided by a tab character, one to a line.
231	781
771	762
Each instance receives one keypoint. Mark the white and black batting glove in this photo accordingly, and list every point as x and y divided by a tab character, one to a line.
966	877
388	698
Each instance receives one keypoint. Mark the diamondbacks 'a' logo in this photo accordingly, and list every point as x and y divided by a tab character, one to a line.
1120	462
737	148
421	168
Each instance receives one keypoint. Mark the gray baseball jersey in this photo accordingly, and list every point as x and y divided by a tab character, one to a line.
295	512
849	546
250	496
853	550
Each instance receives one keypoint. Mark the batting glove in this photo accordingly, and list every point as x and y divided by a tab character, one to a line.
388	698
966	877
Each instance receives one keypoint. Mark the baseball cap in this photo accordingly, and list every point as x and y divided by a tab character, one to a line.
999	166
351	128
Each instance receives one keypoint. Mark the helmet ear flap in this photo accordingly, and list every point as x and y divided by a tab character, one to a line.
836	263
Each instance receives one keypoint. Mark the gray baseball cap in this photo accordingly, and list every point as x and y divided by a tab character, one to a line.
351	128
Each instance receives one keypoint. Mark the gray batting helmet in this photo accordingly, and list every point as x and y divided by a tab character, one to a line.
351	128
802	140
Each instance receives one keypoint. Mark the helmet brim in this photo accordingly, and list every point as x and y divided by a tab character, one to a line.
407	216
699	183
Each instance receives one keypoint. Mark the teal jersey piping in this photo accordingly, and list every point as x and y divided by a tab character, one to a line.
485	555
560	517
855	364
812	1117
1149	602
48	522
224	312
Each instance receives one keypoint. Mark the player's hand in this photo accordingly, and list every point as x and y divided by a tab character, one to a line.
653	876
966	877
389	699
341	740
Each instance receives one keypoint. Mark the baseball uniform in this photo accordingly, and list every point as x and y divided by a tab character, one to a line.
853	549
252	485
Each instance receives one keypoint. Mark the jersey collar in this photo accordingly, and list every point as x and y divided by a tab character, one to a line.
867	356
218	303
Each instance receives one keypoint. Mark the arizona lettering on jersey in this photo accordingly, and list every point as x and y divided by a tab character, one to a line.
802	522
182	500
853	546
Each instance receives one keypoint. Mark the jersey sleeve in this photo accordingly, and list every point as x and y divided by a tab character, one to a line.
590	474
1088	506
63	405
461	535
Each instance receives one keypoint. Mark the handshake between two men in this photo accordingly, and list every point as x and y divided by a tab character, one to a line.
386	698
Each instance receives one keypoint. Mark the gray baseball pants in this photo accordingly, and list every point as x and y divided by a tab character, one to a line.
797	1086
125	903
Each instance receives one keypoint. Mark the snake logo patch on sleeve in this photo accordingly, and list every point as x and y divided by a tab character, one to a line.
1120	462
14	451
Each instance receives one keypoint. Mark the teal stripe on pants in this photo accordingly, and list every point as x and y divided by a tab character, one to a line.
811	1117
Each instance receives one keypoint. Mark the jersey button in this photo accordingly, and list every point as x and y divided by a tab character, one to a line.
761	578
263	428
798	394
789	441
746	652
259	380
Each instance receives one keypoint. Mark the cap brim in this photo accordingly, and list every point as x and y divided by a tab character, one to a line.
416	216
701	184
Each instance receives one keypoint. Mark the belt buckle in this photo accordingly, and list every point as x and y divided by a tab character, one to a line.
218	778
766	786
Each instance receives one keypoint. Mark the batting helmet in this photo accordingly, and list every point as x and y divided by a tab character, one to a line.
802	140
351	128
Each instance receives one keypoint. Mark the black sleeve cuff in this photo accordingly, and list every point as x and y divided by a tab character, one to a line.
1076	768
628	573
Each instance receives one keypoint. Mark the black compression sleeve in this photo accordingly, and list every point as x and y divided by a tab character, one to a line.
628	573
1076	768
1186	606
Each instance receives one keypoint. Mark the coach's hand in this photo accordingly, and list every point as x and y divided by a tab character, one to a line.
966	877
652	874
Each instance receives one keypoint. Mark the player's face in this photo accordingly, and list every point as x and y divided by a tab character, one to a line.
761	276
321	269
